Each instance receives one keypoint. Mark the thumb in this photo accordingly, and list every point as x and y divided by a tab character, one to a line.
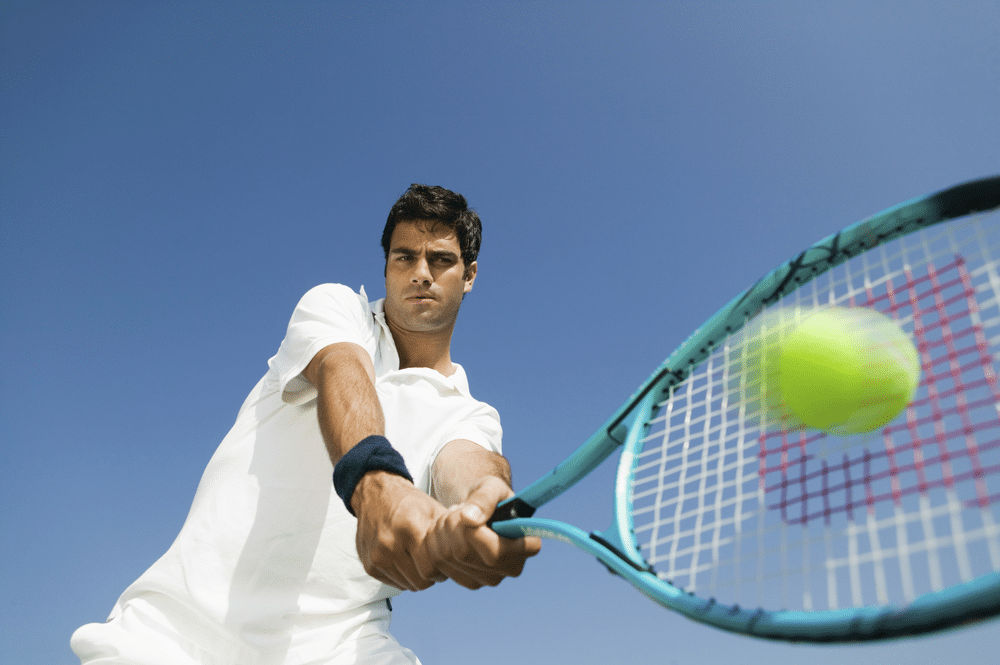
473	514
483	500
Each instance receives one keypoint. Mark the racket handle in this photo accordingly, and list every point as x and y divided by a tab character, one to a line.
510	509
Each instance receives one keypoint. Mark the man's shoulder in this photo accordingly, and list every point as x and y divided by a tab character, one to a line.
335	296
338	291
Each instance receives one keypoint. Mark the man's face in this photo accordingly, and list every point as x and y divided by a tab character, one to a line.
425	277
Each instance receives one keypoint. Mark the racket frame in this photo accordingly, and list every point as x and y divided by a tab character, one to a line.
616	547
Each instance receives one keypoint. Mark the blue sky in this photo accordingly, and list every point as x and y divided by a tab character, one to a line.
173	176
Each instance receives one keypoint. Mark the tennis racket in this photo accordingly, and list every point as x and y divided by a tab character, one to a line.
785	532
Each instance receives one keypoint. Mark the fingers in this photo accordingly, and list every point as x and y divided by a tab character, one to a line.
474	575
407	539
391	563
462	547
392	523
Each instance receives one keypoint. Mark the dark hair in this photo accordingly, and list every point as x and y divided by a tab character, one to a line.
421	202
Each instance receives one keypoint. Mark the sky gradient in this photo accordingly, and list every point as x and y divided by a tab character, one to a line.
174	176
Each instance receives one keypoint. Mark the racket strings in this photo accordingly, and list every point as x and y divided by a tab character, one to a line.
729	502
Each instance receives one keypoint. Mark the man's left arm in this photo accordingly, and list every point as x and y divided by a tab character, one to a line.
471	481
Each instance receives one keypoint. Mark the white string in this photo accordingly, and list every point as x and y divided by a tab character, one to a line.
719	484
831	571
712	512
904	556
878	559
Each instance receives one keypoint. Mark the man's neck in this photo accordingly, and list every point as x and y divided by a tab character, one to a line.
423	349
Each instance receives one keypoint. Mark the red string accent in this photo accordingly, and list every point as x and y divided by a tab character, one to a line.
939	444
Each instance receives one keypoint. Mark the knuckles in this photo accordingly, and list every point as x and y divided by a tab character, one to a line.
410	545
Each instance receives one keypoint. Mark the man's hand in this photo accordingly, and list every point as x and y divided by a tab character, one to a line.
407	539
462	547
393	520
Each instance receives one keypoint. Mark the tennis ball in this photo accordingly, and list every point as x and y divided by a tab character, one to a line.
758	375
847	370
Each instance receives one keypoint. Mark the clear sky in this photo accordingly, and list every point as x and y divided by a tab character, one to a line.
174	175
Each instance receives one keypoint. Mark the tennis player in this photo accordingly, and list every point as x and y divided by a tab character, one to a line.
280	563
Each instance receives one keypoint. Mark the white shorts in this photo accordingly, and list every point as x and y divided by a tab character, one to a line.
142	634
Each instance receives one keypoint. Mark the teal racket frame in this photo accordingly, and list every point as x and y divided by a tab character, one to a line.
623	432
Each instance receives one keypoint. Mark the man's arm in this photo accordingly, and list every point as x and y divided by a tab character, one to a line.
406	538
393	515
472	481
348	405
459	468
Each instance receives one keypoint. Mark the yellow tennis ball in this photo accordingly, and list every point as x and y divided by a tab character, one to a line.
847	370
759	375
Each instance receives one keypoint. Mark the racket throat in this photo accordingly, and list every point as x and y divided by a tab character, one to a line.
613	544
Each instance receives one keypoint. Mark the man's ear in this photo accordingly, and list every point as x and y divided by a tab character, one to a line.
470	276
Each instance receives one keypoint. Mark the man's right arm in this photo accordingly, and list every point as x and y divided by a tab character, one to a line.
396	521
348	405
393	515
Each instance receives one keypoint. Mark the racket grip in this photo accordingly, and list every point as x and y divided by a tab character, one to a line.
510	509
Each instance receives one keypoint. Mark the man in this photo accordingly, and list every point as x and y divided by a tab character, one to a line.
276	563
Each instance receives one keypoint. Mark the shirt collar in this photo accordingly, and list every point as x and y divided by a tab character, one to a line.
459	380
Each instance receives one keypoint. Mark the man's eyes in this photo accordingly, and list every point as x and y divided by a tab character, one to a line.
439	260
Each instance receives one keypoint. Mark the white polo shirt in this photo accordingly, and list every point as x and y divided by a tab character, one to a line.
268	547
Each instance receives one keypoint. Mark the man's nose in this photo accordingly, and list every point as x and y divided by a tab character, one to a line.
421	271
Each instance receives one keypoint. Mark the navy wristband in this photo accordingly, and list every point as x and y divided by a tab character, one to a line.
373	453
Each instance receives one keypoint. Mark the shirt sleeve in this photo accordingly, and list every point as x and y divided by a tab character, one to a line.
326	314
481	427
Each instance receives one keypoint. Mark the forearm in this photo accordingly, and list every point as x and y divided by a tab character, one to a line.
405	537
347	403
461	467
473	480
